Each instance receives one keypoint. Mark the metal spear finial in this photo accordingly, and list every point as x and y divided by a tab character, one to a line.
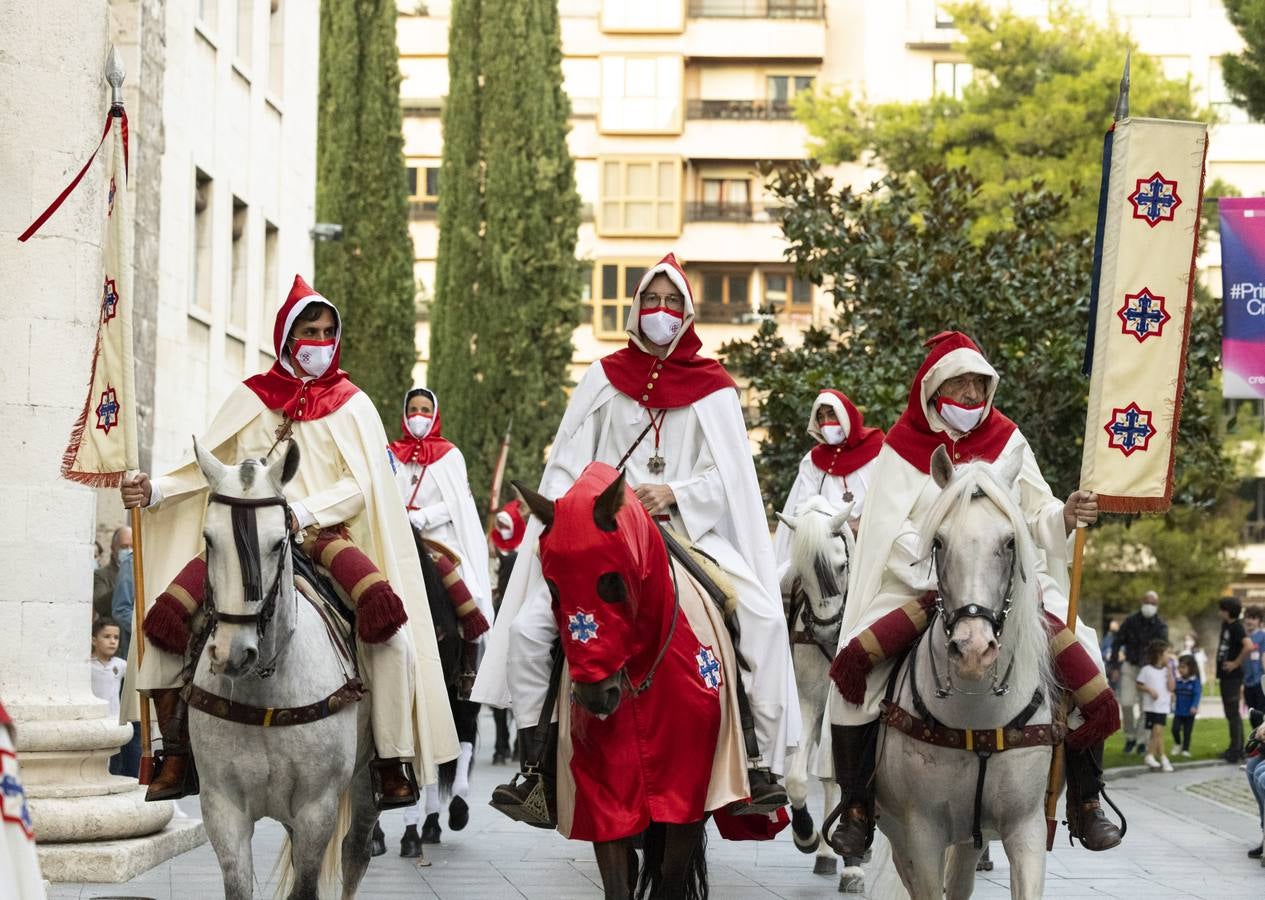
114	75
1122	102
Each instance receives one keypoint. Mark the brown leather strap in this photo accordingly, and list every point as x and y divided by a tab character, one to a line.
976	740
269	717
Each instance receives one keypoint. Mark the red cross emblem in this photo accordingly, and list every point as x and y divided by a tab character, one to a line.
1130	429
1155	199
1143	315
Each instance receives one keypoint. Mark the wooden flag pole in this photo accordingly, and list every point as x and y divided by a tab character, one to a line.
1057	762
138	635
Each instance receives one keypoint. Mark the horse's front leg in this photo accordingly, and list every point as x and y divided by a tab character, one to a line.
802	827
960	871
617	862
364	814
918	852
1025	849
229	829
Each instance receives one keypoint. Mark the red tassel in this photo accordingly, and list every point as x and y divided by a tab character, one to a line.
1102	720
379	614
474	625
165	625
849	672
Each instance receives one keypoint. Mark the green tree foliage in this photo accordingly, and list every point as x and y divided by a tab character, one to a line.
1244	73
507	285
360	184
1035	113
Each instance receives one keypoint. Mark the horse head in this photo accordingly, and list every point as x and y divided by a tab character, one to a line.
247	533
608	575
821	553
984	558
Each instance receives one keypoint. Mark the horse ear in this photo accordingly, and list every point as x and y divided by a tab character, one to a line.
541	508
840	521
941	467
608	503
212	469
789	522
283	469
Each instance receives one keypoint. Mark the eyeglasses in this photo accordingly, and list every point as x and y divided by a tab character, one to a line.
653	300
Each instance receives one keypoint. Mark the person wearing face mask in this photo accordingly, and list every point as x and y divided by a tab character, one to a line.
347	517
104	578
1129	652
838	469
508	529
951	406
671	419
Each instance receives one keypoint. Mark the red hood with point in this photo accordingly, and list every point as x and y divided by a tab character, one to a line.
423	451
860	446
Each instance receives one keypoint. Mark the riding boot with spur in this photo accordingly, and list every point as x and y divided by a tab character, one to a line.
853	747
394	784
530	796
1086	820
174	773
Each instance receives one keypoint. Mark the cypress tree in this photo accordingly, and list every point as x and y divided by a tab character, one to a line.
507	290
361	185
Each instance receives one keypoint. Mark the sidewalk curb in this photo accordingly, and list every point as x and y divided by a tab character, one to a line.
1121	772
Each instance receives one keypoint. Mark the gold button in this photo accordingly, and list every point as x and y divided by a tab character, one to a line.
957	455
649	386
655	375
645	396
302	400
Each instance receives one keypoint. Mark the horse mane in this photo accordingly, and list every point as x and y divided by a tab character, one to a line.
1025	626
812	535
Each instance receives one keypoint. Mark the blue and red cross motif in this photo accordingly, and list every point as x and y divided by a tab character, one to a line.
109	301
108	410
1155	200
708	667
1130	429
13	805
582	627
1143	315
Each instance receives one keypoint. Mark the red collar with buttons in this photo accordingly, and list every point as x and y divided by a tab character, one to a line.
302	400
681	379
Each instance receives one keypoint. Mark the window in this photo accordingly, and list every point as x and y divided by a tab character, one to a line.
783	88
237	292
944	18
581	82
725	297
640	196
724	200
276	48
949	78
784	293
272	285
200	296
615	285
643	16
1219	96
423	182
641	94
245	23
1253	491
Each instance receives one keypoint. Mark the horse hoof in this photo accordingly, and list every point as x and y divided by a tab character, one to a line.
431	829
378	842
411	843
458	814
808	845
984	866
851	883
825	865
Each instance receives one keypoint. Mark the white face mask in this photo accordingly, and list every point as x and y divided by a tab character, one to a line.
833	434
505	531
661	326
961	419
419	425
1149	610
313	357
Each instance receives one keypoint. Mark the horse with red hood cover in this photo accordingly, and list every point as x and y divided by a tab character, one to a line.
669	416
343	479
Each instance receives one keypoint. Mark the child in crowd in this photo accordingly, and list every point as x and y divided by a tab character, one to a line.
1156	683
1254	665
1187	694
107	671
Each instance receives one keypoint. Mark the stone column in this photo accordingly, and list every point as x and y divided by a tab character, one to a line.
90	826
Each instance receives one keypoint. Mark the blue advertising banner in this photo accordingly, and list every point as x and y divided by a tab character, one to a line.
1243	296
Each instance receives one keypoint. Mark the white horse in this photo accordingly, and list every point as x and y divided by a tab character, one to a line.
979	683
821	551
270	657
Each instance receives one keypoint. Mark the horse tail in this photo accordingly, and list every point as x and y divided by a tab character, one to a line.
447	777
654	845
283	871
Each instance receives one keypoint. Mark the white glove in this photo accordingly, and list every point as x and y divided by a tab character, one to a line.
418	518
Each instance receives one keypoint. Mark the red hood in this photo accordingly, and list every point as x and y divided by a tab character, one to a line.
514	510
428	449
860	446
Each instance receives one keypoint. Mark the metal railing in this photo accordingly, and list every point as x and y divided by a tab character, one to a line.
757	9
701	211
422	210
739	109
1254	533
422	107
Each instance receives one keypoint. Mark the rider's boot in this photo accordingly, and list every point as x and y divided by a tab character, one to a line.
175	775
1086	820
767	795
394	783
853	747
530	796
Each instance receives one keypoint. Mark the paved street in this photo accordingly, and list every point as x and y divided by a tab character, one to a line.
1188	833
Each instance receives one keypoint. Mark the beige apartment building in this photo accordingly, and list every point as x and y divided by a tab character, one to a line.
674	102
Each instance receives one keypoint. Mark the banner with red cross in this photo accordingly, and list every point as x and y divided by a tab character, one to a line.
103	443
1144	267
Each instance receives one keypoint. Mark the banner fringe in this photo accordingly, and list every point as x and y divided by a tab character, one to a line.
71	454
1110	503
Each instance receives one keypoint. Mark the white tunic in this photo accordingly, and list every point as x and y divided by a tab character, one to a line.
813	481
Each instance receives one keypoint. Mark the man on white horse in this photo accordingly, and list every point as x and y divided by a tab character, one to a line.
951	406
347	514
838	469
671	419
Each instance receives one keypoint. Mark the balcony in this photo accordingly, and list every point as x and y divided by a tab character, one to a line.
749	110
757	9
422	107
422	210
701	211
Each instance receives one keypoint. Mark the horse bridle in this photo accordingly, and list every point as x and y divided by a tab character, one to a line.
246	540
638	689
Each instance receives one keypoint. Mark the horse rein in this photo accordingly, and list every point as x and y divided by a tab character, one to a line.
638	689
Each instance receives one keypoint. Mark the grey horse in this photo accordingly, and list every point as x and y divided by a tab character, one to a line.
273	651
982	662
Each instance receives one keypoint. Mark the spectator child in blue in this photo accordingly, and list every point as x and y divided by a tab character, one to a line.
1254	667
1187	694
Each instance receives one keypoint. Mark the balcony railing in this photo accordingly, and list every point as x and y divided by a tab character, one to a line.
757	9
422	107
739	109
1254	533
422	210
700	211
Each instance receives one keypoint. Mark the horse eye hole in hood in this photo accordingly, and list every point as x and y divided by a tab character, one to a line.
611	587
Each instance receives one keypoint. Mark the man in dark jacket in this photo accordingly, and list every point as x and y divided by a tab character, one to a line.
1129	651
103	578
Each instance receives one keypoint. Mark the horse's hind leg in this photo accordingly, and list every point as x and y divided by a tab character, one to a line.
615	862
364	815
802	827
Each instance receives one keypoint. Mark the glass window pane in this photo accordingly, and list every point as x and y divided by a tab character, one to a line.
432	182
632	278
610	282
779	88
802	290
713	288
639	216
412	181
712	190
775	288
803	83
739	292
667	181
639	74
737	191
639	179
667	217
610	318
610	180
611	217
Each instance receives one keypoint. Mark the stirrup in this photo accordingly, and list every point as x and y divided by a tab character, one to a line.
525	800
189	785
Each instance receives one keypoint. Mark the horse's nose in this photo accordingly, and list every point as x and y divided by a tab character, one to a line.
249	657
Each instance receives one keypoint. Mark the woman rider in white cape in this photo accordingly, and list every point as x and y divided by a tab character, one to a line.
951	406
431	475
676	417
